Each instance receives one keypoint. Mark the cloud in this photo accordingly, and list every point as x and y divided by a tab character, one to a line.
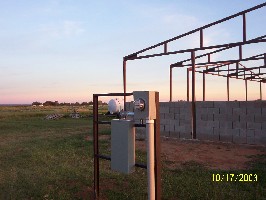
63	29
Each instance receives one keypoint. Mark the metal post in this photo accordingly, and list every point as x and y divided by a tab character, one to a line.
201	38
246	86
227	88
95	147
260	92
193	96
187	84
157	145
244	28
171	92
203	86
240	52
165	47
125	79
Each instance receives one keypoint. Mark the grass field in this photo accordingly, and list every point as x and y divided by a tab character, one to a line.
53	159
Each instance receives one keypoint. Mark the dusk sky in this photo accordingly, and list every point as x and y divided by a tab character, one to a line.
66	50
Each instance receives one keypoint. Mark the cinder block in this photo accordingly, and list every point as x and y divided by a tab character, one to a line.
174	134
239	125
219	117
177	116
165	133
251	140
204	117
201	123
259	118
250	133
161	128
253	111
263	112
172	109
169	116
164	104
240	111
202	136
184	110
165	121
204	104
219	104
233	132
243	132
185	135
210	117
226	125
172	128
185	116
213	124
253	125
213	111
172	104
239	140
167	127
247	118
226	110
226	138
232	104
177	110
164	110
260	133
263	126
174	122
260	141
162	116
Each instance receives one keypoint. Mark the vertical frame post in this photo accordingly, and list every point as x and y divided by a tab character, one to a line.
193	96
201	38
246	87
228	92
203	86
260	92
125	79
157	146
244	28
165	47
187	84
95	147
171	83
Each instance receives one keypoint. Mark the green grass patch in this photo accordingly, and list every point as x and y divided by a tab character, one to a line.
53	159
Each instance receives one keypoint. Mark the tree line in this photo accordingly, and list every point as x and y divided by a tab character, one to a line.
56	103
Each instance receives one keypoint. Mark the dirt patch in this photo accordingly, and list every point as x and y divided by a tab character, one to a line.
213	155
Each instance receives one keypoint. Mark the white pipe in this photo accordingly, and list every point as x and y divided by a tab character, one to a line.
150	158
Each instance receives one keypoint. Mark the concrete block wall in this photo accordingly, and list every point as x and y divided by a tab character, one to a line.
241	122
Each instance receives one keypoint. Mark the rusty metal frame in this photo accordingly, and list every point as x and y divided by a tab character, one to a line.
215	49
97	155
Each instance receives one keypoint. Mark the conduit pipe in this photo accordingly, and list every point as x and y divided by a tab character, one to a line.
150	158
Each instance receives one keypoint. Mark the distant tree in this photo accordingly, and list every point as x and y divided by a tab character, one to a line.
36	103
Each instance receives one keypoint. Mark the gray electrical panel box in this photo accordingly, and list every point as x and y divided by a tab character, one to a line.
150	105
122	145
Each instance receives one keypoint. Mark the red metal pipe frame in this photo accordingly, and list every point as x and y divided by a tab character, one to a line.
125	79
246	87
171	92
157	146
95	147
203	87
188	84
193	96
201	28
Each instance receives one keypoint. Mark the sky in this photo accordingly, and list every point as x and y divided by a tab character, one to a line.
67	50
